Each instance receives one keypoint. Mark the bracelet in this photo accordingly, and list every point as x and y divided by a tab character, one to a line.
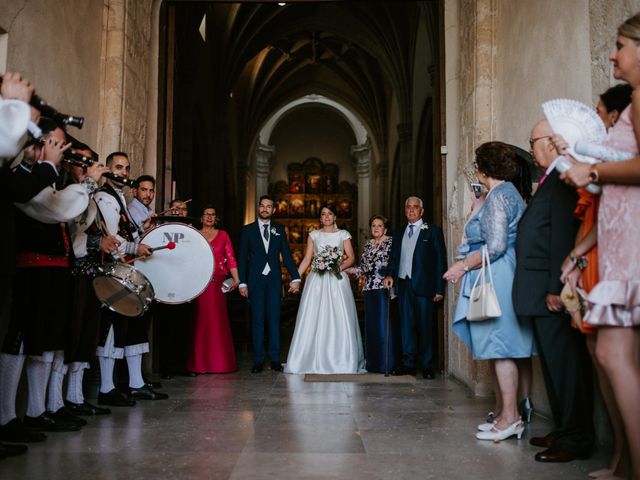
465	267
581	262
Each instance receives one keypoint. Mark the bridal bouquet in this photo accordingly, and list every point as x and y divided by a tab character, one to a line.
328	260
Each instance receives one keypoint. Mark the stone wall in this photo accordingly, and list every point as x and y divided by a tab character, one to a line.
89	58
605	17
125	78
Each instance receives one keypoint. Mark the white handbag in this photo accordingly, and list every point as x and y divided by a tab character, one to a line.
483	301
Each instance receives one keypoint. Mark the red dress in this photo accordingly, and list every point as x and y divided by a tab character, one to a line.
212	347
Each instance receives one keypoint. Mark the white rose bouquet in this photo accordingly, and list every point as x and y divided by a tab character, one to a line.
328	260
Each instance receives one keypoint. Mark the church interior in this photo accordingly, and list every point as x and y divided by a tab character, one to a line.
356	104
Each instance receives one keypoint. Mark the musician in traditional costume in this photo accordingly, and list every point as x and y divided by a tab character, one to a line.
119	335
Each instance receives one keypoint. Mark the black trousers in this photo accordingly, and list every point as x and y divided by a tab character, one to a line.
568	378
175	325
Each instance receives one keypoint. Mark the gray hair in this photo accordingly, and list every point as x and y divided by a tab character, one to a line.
414	198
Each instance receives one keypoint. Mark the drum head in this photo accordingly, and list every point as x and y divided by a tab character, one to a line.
115	296
181	274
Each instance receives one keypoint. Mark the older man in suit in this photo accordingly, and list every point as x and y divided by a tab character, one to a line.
261	244
417	263
546	234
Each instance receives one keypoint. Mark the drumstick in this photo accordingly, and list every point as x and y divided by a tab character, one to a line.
171	208
170	246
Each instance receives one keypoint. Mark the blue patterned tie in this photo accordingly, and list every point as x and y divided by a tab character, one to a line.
411	230
265	233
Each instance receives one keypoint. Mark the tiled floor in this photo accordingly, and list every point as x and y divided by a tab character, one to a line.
277	426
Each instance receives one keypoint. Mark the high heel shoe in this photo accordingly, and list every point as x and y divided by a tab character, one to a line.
496	434
526	410
486	427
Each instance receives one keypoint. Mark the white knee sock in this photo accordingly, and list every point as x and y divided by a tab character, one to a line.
54	394
74	382
10	372
38	371
106	374
134	363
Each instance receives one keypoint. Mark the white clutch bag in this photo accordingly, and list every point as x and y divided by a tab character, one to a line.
483	301
226	285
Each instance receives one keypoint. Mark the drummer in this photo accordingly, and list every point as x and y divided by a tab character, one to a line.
120	335
140	207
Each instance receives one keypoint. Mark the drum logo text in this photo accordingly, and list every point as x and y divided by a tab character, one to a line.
173	237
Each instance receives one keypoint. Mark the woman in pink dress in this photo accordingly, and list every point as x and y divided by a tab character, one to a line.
615	299
212	350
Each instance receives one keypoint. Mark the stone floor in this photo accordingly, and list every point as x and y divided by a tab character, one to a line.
277	426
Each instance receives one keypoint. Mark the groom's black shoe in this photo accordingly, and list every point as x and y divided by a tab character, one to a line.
404	370
276	367
257	368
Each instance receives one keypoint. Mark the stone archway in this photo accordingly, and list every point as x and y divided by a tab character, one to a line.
261	159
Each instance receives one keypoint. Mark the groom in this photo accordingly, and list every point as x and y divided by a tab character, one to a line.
261	244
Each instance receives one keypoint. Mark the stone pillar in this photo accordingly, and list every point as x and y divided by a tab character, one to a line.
477	24
361	160
264	160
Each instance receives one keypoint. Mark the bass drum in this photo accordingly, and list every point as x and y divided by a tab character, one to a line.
123	290
180	274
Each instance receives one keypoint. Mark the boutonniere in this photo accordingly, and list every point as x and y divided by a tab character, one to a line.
274	232
425	226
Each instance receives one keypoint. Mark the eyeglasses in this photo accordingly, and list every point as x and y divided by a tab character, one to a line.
532	141
209	215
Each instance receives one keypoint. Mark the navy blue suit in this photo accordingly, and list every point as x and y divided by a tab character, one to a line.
415	294
265	291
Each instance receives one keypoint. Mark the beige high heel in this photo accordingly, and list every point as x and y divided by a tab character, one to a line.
496	434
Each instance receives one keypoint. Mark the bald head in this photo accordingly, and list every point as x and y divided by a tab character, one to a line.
543	151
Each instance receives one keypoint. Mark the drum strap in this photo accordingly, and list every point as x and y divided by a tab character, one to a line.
126	227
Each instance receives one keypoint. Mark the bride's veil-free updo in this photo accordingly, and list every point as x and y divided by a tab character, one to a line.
332	209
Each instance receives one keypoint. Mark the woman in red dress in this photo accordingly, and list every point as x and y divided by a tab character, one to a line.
212	350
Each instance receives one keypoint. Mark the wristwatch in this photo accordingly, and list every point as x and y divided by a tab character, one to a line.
593	175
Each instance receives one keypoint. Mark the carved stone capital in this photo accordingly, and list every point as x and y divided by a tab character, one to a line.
361	159
264	159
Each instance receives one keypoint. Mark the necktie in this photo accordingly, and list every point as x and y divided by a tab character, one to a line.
542	179
265	232
411	230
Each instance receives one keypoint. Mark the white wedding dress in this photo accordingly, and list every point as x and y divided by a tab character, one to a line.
327	336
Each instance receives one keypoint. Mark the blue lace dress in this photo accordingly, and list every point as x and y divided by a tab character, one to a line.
495	225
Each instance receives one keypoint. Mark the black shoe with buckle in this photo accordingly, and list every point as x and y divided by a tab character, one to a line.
114	398
146	392
86	409
65	415
16	431
47	423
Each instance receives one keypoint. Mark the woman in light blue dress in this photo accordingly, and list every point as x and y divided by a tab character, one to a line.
505	338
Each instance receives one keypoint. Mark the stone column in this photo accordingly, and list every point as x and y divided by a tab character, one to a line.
477	84
361	160
264	160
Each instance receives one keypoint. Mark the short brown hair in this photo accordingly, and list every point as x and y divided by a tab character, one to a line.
496	160
384	220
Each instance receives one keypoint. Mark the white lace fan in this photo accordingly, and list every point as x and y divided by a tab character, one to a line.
576	122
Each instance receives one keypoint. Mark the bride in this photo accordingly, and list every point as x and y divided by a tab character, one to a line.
327	336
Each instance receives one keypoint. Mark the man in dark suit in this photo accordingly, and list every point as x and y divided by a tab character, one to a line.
261	245
417	263
546	234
